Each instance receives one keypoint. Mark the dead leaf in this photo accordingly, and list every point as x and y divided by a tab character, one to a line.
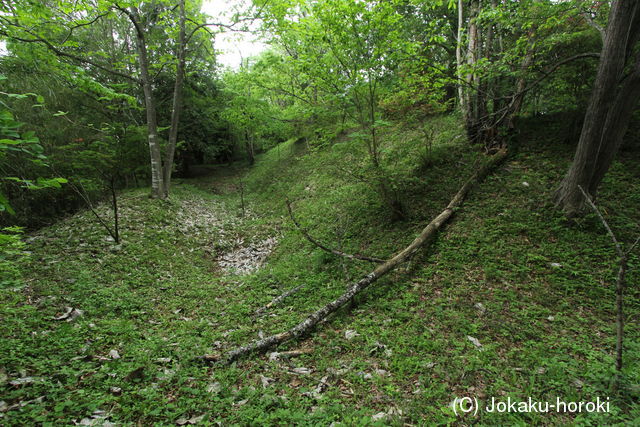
265	381
65	315
317	391
350	334
379	416
475	342
196	420
214	388
382	372
166	374
24	380
70	314
364	375
136	374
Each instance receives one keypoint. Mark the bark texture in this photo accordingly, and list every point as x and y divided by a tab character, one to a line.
177	103
613	99
157	179
461	94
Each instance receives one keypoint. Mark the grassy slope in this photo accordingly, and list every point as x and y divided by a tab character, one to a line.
161	296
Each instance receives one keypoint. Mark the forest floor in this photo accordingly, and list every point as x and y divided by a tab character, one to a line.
510	301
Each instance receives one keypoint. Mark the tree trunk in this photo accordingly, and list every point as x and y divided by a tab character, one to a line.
248	143
612	101
177	104
485	49
459	61
471	80
157	184
518	100
470	101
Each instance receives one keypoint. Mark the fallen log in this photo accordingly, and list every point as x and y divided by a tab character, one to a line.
315	318
326	248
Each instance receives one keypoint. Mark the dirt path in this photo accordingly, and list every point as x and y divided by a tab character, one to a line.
217	179
224	226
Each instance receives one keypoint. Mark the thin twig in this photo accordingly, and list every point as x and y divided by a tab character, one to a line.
278	299
325	248
619	250
634	245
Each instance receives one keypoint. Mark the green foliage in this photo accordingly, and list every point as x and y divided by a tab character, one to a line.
15	144
255	112
546	331
12	253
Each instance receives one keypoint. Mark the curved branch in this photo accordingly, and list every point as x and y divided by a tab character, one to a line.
506	110
355	288
604	222
133	18
62	53
325	248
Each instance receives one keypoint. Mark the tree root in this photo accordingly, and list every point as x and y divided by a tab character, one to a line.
315	318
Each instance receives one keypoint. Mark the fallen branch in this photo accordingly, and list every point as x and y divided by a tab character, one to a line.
623	260
278	300
325	248
315	318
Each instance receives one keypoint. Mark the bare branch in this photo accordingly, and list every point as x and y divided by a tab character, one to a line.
586	14
604	222
504	111
633	246
325	248
204	25
83	24
49	45
278	300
